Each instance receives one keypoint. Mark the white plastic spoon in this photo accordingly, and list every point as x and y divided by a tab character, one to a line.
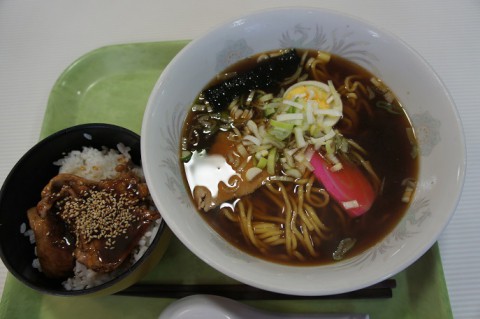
215	307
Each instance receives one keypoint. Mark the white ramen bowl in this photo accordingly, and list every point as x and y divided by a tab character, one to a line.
427	102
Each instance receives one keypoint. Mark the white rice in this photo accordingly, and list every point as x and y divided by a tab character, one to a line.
27	233
95	165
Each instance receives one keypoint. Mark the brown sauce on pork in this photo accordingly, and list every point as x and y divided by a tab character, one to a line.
96	223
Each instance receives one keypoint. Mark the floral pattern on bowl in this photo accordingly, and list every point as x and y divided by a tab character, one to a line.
234	50
427	130
302	36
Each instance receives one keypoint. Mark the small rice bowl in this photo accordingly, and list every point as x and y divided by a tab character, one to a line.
96	165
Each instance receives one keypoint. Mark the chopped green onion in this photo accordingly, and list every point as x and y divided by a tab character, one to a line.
332	158
336	168
280	130
299	156
290	117
273	105
279	134
242	150
407	194
260	154
323	140
309	113
252	139
198	107
288	158
324	56
186	156
253	128
379	85
256	149
387	106
252	173
269	111
299	137
271	161
250	98
343	248
270	139
327	112
291	110
389	97
266	97
282	125
262	163
315	131
294	104
293	172
329	146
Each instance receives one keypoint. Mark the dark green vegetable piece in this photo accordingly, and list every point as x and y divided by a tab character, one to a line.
266	75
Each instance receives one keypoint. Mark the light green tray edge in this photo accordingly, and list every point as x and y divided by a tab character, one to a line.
112	85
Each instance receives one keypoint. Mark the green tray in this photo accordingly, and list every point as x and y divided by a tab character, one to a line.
112	85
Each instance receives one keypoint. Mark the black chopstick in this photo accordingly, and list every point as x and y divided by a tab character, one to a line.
244	292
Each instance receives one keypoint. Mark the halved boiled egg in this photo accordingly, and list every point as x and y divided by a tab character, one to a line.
319	102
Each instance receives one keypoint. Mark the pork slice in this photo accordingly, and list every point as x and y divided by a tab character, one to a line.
54	250
97	223
104	255
202	195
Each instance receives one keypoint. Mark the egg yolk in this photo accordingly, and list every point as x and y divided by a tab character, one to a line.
308	94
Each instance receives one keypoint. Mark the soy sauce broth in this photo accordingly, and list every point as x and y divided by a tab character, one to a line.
380	130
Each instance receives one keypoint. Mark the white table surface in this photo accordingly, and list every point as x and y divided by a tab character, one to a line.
39	39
